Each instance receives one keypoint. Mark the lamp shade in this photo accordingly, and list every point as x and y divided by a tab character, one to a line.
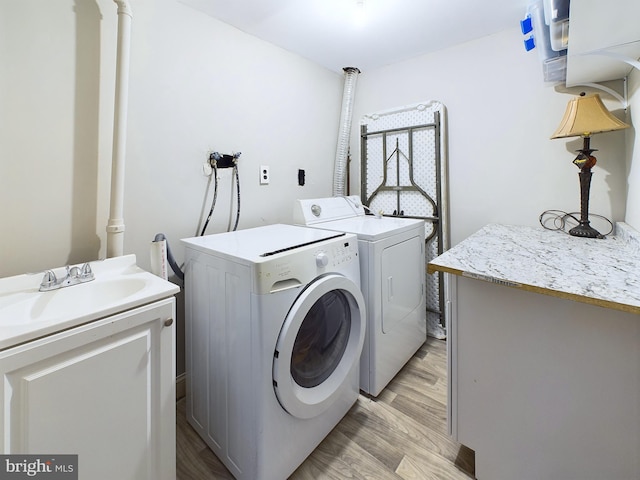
586	115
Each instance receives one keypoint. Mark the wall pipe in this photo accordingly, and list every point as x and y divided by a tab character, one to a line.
344	133
115	226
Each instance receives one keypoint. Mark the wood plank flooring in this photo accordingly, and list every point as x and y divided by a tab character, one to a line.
402	434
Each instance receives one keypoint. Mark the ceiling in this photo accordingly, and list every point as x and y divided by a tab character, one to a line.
343	33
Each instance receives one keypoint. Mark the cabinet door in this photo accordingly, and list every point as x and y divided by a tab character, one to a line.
402	286
104	391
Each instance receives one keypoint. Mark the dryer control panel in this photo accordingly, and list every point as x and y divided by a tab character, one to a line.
312	211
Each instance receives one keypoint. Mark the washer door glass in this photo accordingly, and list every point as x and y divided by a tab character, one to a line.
318	350
321	340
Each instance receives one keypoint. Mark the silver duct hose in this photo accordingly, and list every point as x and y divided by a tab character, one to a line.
340	169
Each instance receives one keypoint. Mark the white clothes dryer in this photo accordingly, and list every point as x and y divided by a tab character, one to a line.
393	277
275	323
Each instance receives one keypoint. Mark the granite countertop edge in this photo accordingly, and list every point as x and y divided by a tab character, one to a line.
604	272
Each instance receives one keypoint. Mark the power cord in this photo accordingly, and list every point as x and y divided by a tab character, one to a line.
563	221
235	171
213	202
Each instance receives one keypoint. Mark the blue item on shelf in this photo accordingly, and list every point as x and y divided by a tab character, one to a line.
526	25
529	43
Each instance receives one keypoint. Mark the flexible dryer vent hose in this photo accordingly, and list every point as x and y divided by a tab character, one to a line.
344	133
170	258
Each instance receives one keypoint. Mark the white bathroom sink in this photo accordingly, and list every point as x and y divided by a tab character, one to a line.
119	285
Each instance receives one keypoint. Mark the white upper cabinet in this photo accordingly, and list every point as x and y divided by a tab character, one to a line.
599	32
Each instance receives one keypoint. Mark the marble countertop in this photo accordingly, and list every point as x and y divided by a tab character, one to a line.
604	272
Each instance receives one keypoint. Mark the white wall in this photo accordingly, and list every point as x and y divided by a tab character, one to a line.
503	166
196	86
199	85
633	146
54	132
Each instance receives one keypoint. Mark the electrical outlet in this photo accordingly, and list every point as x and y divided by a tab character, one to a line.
264	175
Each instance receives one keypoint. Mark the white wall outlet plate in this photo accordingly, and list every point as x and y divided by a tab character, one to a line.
264	175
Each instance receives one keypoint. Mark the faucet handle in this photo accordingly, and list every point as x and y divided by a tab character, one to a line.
48	280
86	272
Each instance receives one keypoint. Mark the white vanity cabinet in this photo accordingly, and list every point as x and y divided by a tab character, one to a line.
104	390
544	353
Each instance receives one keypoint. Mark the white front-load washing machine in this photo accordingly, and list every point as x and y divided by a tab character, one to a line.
392	275
275	323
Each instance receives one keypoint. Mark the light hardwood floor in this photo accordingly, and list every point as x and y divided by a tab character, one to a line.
401	434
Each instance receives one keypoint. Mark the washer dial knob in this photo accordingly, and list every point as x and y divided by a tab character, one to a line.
322	260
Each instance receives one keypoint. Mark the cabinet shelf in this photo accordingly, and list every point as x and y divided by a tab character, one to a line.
601	35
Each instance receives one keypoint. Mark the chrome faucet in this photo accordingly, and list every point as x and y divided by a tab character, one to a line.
74	276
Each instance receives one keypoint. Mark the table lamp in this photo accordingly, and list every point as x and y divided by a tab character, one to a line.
585	116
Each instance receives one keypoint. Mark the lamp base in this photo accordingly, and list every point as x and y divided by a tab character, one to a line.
585	231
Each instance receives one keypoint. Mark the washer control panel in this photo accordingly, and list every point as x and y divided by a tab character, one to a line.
301	266
338	254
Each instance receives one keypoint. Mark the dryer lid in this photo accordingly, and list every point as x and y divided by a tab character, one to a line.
372	229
